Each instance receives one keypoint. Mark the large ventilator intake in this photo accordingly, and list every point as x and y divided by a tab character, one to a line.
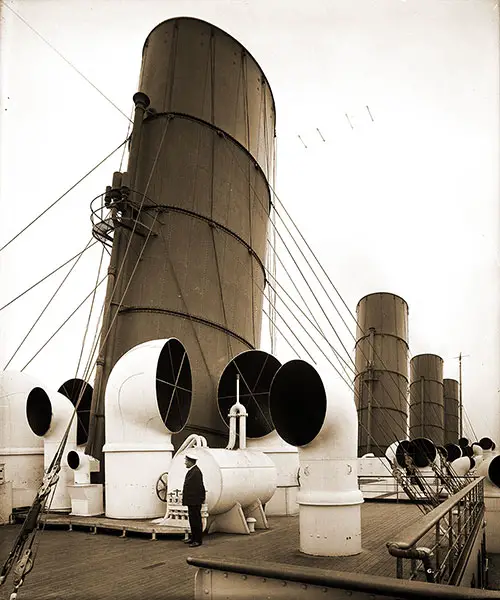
381	382
324	428
256	370
451	411
21	450
51	415
80	394
148	397
199	165
426	398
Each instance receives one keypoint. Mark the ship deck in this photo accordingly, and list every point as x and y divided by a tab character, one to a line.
80	564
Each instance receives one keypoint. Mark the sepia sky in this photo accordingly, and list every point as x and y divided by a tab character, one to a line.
407	202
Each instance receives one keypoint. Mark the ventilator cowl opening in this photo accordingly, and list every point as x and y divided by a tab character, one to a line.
486	443
173	385
39	411
423	452
80	393
256	370
453	451
297	402
494	471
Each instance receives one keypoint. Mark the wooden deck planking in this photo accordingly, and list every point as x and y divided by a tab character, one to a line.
77	564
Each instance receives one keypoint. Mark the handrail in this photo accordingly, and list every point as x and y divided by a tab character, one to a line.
375	584
411	535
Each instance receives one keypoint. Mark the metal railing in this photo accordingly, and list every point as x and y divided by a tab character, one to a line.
437	547
377	487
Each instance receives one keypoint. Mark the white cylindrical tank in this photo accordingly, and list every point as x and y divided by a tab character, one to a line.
49	414
20	449
148	397
229	476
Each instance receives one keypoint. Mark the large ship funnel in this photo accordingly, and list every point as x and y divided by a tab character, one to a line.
381	382
49	414
190	231
21	450
256	370
148	397
325	430
427	398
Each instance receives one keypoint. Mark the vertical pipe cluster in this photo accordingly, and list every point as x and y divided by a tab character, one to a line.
427	398
381	382
451	425
197	210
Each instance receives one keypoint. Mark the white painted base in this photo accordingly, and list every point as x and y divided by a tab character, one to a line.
86	499
330	530
25	472
5	502
131	477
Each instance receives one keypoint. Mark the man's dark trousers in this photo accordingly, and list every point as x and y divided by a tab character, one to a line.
194	514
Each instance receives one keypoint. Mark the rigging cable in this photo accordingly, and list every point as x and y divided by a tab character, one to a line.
47	276
63	195
402	392
64	323
48	303
64	58
304	278
90	312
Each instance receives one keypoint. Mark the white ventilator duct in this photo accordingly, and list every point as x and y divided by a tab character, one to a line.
255	370
325	430
49	414
148	397
86	497
461	466
20	449
490	468
82	465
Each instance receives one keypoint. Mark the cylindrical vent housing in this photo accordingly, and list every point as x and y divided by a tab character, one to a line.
427	398
201	199
451	412
381	382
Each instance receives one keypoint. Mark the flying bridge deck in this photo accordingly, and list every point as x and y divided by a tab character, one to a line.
77	564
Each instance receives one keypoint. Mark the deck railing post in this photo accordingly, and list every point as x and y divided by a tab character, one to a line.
450	543
438	551
399	568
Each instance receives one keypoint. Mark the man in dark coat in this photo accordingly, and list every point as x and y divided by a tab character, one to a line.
193	496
